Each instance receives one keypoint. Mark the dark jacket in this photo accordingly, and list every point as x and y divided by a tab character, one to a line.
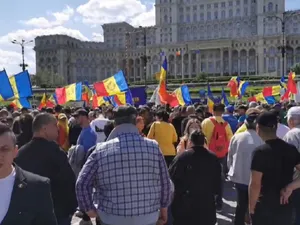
196	174
46	159
31	202
74	132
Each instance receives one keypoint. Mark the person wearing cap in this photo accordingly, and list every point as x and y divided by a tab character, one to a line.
133	184
293	137
87	137
240	152
230	118
242	114
272	169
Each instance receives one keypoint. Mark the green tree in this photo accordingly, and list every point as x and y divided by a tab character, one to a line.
296	68
47	80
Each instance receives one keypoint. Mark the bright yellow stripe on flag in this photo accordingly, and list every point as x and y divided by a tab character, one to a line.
13	84
178	94
1	98
71	92
260	98
122	98
210	105
276	90
111	86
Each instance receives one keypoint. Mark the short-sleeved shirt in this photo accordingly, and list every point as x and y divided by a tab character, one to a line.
87	138
276	160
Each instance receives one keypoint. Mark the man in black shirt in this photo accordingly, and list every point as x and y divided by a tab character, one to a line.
272	170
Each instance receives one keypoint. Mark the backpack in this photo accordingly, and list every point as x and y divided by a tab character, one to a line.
76	157
219	142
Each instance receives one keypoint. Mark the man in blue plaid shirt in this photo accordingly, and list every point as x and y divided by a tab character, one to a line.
129	176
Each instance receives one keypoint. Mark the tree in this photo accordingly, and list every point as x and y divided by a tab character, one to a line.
296	68
45	79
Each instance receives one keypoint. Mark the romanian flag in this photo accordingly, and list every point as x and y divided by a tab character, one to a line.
165	97
21	103
43	102
283	83
111	86
233	85
72	92
261	98
52	101
87	93
99	101
21	85
124	98
271	91
292	85
210	99
183	95
243	85
6	91
224	99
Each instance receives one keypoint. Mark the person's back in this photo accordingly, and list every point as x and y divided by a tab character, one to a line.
165	134
97	126
278	160
196	174
232	121
240	153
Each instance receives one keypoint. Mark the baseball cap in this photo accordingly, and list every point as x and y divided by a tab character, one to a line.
294	111
230	108
267	119
80	112
124	111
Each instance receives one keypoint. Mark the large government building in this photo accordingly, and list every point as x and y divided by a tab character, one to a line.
216	37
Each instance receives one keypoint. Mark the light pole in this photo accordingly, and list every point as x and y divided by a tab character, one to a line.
144	57
285	17
22	44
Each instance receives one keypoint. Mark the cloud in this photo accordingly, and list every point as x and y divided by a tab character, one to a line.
97	12
11	54
144	19
98	37
59	19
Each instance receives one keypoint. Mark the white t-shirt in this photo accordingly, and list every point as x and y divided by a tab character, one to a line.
97	125
281	130
6	187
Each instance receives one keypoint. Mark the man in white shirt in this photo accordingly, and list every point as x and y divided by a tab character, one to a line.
97	125
21	190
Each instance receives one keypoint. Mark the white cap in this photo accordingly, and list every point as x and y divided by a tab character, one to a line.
253	104
294	111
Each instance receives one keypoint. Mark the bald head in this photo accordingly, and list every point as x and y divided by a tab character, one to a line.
42	120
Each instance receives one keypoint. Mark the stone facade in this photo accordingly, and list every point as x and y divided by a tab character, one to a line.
217	37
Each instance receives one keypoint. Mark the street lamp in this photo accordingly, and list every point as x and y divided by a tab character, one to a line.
144	57
22	44
285	17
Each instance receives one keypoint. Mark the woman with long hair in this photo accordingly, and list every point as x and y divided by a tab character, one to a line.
165	134
192	125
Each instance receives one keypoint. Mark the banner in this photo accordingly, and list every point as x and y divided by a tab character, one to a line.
139	95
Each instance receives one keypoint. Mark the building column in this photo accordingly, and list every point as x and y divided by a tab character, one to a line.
190	64
175	67
230	61
256	64
276	64
182	68
267	64
239	62
198	65
247	63
222	61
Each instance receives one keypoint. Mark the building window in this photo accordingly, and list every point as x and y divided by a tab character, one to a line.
195	8
270	7
246	11
216	15
188	18
195	18
201	16
230	13
238	2
216	5
208	6
208	15
223	4
238	12
181	18
230	3
201	7
223	14
245	2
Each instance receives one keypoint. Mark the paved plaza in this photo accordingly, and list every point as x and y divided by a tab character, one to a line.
224	218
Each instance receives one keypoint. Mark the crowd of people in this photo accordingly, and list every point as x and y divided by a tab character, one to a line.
149	165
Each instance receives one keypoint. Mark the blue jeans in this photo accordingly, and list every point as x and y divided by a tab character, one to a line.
65	221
